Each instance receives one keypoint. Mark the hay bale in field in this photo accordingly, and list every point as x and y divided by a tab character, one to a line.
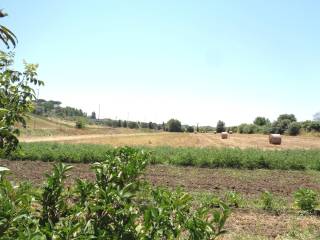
230	132
215	132
275	139
224	135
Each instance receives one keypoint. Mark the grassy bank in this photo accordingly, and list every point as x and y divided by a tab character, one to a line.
184	156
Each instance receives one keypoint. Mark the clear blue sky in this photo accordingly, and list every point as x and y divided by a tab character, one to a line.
198	61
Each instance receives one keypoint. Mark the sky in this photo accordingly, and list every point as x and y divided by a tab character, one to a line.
197	61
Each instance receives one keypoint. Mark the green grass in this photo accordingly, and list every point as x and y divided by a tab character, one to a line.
184	156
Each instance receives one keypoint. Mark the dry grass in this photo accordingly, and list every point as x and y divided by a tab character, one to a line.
185	140
39	128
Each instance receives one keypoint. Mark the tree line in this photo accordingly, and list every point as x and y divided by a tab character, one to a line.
285	123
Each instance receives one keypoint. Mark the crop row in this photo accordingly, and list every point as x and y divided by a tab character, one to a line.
184	156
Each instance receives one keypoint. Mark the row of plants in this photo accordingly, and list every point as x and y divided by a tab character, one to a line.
305	200
298	159
117	205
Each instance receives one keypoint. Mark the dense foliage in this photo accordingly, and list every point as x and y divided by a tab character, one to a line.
185	156
116	206
221	126
16	96
174	125
53	108
261	121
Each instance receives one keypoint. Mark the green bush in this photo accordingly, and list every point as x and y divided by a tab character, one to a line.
221	126
261	121
306	199
133	125
118	205
267	201
80	123
190	129
294	129
174	125
233	199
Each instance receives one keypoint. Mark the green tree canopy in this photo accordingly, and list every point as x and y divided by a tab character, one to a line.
174	125
290	117
261	121
16	98
221	126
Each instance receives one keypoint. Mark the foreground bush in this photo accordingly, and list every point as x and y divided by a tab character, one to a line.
116	206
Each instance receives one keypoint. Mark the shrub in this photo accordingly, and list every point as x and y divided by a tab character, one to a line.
233	199
80	123
221	126
247	128
281	126
118	205
189	129
267	201
294	129
174	125
315	126
133	125
306	199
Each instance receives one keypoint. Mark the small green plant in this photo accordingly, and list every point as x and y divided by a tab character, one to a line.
233	199
267	201
306	199
80	123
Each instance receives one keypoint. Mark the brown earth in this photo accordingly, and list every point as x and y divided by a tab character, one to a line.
244	222
247	182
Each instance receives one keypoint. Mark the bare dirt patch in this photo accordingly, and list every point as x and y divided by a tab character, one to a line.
247	182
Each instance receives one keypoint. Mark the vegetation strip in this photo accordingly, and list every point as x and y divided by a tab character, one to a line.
184	156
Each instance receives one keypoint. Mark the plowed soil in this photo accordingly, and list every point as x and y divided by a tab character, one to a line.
244	222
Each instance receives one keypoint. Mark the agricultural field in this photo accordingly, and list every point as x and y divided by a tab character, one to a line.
151	124
129	137
239	176
242	189
258	181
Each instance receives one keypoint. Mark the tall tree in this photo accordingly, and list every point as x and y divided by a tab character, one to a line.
261	121
174	125
16	93
221	126
93	115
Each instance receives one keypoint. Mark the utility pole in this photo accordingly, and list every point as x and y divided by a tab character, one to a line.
37	97
99	113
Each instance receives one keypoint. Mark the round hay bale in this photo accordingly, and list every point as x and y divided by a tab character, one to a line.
230	132
224	135
215	132
275	139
